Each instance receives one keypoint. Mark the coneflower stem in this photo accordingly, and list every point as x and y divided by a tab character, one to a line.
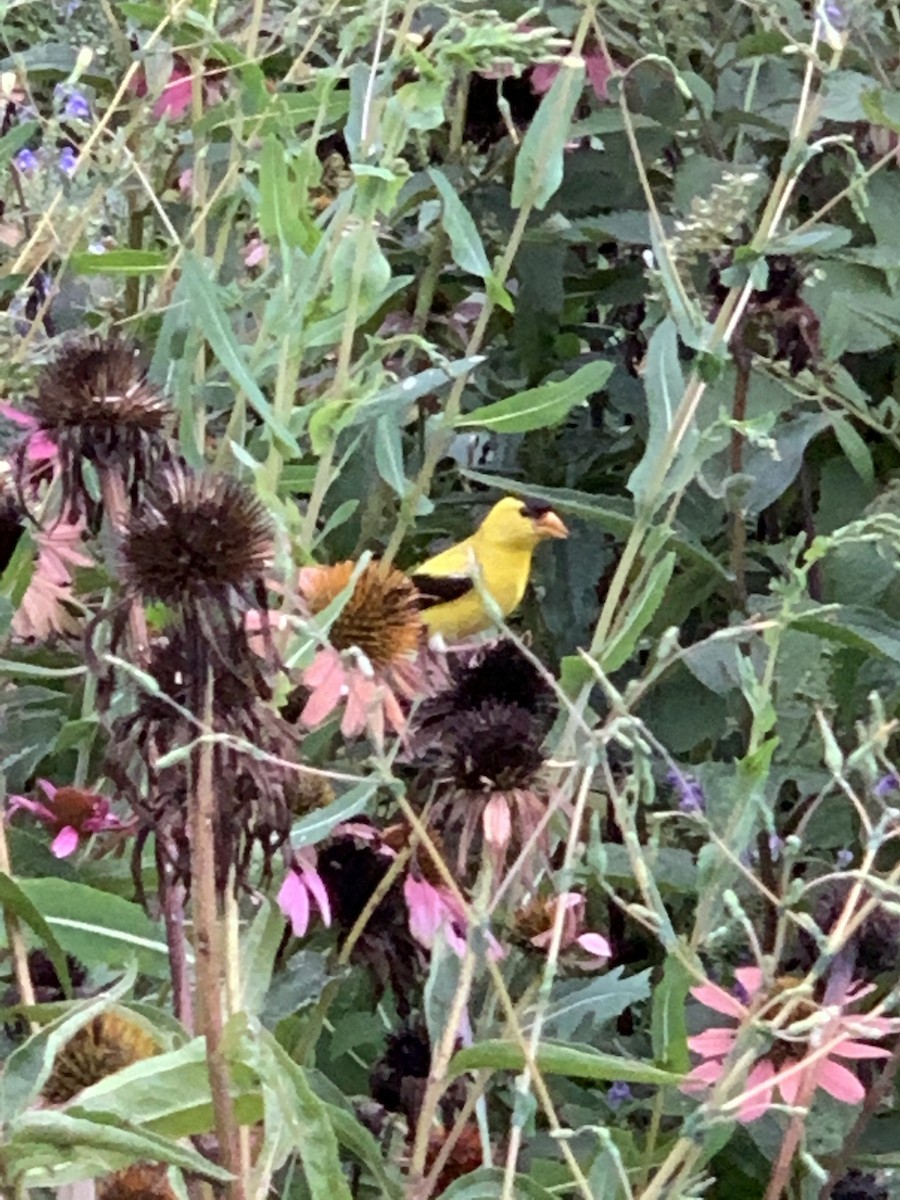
208	943
173	915
117	508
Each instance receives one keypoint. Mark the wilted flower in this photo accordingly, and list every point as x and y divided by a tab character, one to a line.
876	940
435	910
598	68
792	1066
371	662
538	919
45	607
108	1043
95	404
859	1185
39	446
71	813
303	886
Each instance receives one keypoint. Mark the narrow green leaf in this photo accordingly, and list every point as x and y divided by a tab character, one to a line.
854	447
574	1062
14	900
668	1027
96	926
318	825
217	330
15	138
356	1138
664	385
539	163
487	1184
389	455
620	648
465	241
259	946
540	407
119	262
280	199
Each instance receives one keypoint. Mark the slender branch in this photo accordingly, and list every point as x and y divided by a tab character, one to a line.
13	928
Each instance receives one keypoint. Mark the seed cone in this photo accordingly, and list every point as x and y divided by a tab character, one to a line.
108	1043
95	402
142	1181
198	537
381	617
495	747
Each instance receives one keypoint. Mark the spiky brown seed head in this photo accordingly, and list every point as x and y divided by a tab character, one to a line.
198	536
494	748
381	617
108	1043
98	386
877	938
859	1185
142	1181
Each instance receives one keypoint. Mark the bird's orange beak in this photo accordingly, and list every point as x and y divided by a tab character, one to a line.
550	525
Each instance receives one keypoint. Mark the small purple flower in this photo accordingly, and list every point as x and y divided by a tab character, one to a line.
618	1093
843	859
834	14
27	161
68	161
690	793
776	845
740	993
75	105
887	784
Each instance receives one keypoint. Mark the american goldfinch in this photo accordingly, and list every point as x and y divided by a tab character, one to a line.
499	553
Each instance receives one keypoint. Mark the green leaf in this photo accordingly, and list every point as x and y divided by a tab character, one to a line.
866	629
668	1027
639	615
540	407
539	163
664	385
389	455
356	1138
487	1184
465	242
95	926
280	200
592	1001
14	900
318	825
259	946
854	447
574	1062
119	262
214	323
68	1134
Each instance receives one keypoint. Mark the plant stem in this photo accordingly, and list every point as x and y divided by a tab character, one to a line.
208	945
738	516
13	928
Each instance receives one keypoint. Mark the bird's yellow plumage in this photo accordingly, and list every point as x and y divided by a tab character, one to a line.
499	554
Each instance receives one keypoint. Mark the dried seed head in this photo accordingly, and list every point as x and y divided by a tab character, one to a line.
142	1181
198	537
859	1185
108	1043
99	385
494	748
381	617
877	939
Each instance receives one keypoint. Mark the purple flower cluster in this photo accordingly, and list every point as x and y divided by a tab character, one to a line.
690	793
74	103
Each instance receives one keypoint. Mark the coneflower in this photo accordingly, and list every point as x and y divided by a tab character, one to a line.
95	403
142	1181
108	1043
371	662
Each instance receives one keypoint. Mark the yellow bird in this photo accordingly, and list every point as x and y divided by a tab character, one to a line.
499	554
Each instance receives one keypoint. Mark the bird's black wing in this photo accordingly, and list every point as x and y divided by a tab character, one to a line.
441	589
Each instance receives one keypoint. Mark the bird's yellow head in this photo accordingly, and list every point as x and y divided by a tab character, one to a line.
521	523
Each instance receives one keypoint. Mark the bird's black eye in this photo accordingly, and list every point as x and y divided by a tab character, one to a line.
534	508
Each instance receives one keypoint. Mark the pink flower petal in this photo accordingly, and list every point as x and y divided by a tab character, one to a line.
426	910
320	670
362	703
324	699
542	77
596	944
41	811
47	788
849	1049
26	420
753	1107
713	1043
598	73
719	1000
750	979
790	1084
316	888
497	822
65	842
839	1082
700	1078
293	900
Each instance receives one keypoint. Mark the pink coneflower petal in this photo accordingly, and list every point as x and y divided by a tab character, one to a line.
839	1082
713	1043
849	1049
701	1076
598	73
49	789
720	1001
753	1107
596	944
497	822
65	842
750	979
542	77
293	900
26	420
23	803
426	911
790	1083
316	888
326	695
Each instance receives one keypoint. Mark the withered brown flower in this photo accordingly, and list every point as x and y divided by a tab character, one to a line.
95	403
141	1181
